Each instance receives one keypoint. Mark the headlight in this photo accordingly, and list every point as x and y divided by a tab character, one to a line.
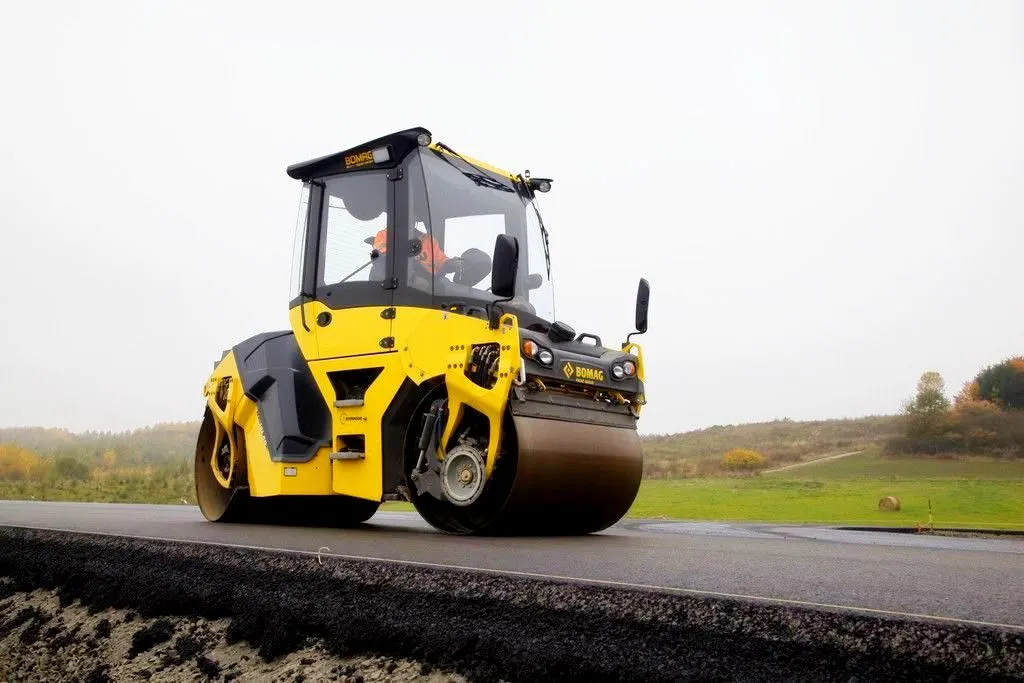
532	349
626	368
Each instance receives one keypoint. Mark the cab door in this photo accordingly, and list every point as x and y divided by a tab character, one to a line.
352	313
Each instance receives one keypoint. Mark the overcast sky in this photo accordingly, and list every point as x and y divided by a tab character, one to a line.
827	197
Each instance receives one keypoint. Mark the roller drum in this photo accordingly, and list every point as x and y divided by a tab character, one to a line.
572	477
554	477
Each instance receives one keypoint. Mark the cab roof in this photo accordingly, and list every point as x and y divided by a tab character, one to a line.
384	152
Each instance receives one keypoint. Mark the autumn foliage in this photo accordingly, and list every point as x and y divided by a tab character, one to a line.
986	416
20	464
742	459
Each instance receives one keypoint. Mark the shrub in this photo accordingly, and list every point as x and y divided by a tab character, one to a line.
742	459
67	467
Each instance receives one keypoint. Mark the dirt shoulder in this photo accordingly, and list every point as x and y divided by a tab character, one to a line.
41	640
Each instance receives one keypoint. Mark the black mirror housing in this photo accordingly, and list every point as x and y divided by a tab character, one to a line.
505	266
643	297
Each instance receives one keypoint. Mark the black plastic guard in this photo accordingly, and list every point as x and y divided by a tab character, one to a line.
295	418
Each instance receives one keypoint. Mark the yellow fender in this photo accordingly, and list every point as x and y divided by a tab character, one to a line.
462	391
222	386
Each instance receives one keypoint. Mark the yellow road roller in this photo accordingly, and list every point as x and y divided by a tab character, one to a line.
424	363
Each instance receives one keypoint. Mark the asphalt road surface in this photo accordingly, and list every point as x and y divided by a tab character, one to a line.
961	579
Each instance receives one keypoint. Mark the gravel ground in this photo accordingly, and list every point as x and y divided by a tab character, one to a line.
42	641
480	626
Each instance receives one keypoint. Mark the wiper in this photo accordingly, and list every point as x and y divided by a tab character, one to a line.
356	271
481	179
544	233
540	221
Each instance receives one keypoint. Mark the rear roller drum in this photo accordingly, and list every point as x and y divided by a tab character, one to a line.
222	492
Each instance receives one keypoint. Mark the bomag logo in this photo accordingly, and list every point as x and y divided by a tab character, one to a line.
582	373
360	159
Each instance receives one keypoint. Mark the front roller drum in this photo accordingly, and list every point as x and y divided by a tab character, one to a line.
571	477
232	503
553	477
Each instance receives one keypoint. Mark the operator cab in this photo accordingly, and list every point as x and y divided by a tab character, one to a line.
403	221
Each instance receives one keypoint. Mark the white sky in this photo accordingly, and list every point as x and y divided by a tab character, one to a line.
827	197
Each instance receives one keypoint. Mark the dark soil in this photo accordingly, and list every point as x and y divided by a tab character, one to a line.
489	627
145	638
196	652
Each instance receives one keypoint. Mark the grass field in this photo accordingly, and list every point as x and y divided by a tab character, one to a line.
155	490
872	465
964	492
972	492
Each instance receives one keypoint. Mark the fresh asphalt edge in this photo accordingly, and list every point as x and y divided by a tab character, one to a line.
925	531
493	627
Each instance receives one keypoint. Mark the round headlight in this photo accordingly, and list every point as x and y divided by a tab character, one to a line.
423	139
545	357
618	372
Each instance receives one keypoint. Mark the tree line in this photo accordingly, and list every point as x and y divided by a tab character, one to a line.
985	417
144	463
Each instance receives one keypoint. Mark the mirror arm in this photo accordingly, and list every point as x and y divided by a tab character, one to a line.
494	311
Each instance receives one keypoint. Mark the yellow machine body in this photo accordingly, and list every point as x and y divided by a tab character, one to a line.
364	401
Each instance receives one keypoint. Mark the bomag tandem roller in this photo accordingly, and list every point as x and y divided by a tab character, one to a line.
424	363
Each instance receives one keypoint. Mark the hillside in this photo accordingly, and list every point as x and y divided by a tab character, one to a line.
698	453
689	454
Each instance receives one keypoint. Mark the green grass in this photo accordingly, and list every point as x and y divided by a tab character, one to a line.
964	492
971	492
156	490
872	465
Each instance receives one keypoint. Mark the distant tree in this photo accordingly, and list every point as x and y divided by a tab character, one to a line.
969	394
1003	383
109	458
927	413
67	467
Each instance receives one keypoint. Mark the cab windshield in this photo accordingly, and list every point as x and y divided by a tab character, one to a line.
463	208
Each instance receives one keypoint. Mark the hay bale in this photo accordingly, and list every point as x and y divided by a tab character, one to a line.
889	504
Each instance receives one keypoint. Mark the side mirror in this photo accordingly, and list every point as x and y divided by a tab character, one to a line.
504	267
534	281
643	297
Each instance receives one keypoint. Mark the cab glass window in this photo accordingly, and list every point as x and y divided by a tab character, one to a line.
355	229
299	244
